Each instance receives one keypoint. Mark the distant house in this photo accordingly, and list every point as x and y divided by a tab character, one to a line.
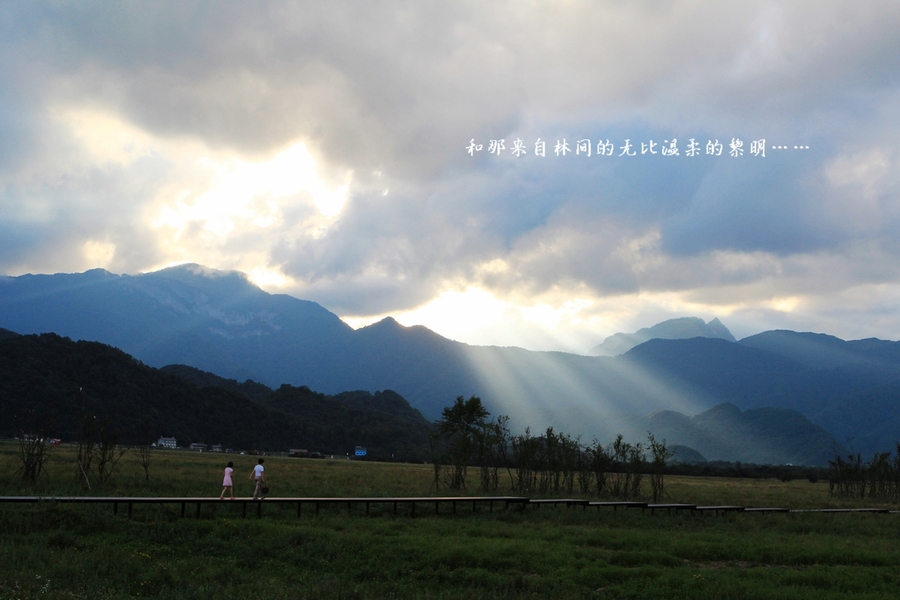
198	446
167	442
217	448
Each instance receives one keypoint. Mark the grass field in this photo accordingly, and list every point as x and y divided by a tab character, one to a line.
65	551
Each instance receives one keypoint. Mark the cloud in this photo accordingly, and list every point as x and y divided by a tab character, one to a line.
323	144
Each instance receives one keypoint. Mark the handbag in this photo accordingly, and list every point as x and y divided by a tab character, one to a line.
264	489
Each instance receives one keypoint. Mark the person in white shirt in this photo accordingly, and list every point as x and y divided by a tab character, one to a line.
259	473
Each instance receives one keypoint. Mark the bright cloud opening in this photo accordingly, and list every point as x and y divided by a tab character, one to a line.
268	278
99	254
106	138
463	313
239	192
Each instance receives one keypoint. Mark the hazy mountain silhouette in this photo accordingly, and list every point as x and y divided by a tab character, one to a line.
685	454
674	329
823	351
758	436
221	323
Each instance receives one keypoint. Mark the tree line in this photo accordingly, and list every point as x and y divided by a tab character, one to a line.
550	462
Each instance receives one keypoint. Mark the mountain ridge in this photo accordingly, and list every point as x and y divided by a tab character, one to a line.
49	384
223	324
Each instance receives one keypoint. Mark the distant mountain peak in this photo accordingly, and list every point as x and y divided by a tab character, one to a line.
724	409
385	324
389	326
718	327
217	286
201	276
672	329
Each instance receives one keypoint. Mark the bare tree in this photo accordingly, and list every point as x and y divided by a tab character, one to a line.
145	451
601	460
33	453
635	469
660	455
493	439
108	452
525	450
34	444
85	455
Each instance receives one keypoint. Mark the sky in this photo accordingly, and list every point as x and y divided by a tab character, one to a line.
736	160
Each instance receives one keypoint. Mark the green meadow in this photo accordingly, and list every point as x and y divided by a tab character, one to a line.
68	551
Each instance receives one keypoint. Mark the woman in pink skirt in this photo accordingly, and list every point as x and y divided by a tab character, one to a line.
227	482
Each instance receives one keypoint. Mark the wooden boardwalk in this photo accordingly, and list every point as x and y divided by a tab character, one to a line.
440	504
409	502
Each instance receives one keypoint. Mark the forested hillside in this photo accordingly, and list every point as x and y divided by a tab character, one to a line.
50	384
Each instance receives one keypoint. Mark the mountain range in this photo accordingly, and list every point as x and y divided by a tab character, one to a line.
221	323
53	386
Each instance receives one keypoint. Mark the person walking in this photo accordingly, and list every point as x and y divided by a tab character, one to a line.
227	484
259	474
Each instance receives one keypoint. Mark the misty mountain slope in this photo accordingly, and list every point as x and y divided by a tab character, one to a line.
722	371
685	454
748	377
571	392
868	421
822	351
760	436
